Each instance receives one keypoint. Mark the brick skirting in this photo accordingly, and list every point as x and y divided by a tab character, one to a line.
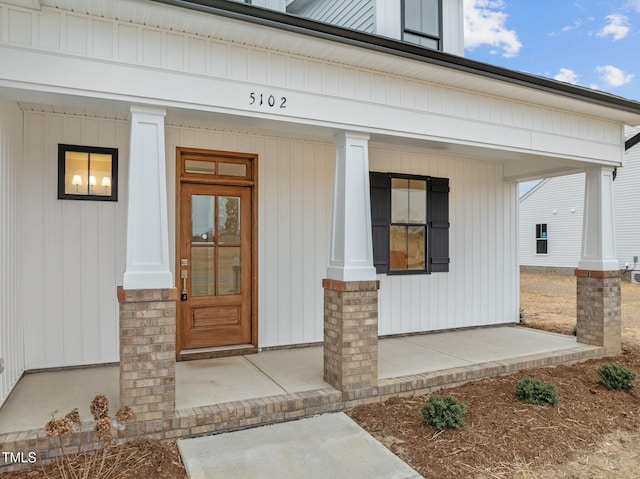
599	309
237	415
351	336
148	352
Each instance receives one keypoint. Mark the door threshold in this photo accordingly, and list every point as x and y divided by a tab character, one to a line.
216	352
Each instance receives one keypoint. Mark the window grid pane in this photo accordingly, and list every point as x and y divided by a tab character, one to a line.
407	233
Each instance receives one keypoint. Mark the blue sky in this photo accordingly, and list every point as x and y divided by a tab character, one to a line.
591	43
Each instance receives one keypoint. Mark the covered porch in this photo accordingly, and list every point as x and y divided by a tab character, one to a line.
221	394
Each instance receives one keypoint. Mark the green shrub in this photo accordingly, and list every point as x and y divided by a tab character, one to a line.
443	412
535	391
616	377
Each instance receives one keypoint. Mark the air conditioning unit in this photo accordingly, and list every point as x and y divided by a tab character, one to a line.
635	277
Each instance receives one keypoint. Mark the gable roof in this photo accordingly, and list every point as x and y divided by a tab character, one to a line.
292	23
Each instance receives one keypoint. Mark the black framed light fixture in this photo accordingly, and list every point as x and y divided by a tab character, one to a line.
87	173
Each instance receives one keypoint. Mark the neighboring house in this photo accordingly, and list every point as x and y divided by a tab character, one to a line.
247	176
551	216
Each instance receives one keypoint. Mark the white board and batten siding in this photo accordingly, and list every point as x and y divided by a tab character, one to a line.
74	251
482	285
11	328
72	318
295	190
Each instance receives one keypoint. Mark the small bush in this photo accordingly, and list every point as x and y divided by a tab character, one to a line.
535	391
616	377
443	412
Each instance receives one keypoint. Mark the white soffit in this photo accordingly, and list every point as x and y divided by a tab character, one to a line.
146	12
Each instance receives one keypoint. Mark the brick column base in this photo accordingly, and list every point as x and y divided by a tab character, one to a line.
148	352
351	335
598	309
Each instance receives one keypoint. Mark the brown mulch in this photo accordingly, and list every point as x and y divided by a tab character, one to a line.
592	432
137	459
501	432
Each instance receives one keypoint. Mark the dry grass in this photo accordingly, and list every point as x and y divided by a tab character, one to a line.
549	302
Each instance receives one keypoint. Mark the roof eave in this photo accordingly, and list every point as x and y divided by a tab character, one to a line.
284	21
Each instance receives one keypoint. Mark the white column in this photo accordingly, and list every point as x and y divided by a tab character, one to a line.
351	256
147	226
598	226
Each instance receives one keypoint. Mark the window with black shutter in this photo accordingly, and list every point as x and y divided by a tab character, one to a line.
410	223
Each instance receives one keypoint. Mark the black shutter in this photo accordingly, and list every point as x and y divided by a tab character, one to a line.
380	187
438	202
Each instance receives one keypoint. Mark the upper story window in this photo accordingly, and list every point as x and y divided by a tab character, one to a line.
422	22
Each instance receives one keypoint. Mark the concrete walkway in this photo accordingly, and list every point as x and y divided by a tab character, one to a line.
320	447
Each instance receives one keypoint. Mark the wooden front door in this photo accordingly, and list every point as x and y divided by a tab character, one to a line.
215	262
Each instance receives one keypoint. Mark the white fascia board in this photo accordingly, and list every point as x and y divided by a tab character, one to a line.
32	4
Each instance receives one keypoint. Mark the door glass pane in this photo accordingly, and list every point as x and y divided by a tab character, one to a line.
199	166
399	200
415	247
398	247
202	271
232	169
228	270
229	220
202	218
417	201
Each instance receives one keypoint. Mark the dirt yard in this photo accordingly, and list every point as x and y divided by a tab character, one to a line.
592	433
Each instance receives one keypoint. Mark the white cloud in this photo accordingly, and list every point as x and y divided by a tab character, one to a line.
485	24
613	76
618	27
567	28
567	76
634	5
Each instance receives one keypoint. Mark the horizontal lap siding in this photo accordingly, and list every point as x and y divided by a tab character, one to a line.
74	251
358	15
626	196
11	330
482	284
558	203
294	216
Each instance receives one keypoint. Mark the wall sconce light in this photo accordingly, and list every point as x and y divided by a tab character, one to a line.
82	168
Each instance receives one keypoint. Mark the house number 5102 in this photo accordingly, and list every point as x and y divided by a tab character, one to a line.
267	100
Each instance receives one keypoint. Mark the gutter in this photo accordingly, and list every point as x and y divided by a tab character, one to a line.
292	23
631	142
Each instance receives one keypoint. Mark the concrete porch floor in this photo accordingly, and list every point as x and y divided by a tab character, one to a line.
485	351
